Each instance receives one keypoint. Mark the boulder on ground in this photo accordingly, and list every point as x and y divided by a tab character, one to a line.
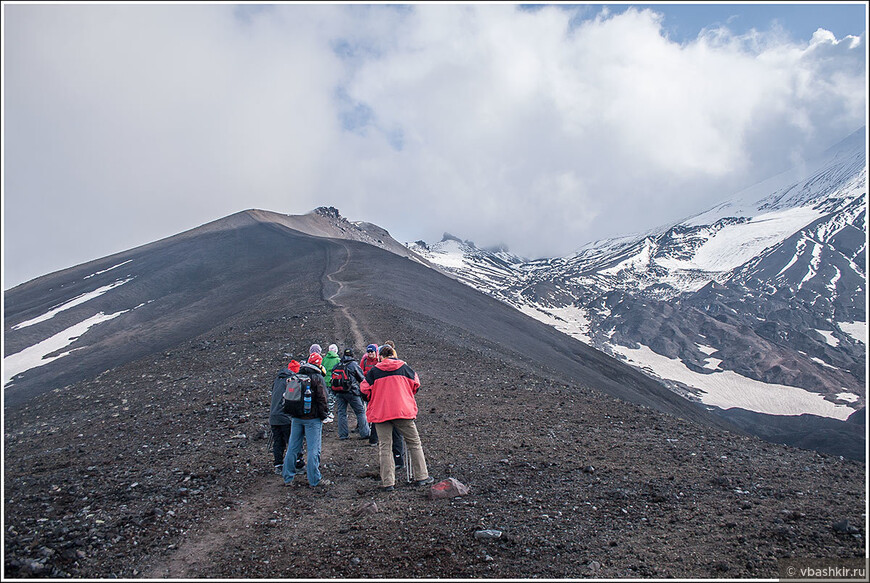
449	488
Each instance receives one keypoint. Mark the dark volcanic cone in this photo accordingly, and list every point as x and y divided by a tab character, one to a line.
252	266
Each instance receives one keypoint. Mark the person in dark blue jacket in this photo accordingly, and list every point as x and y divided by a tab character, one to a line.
280	421
352	397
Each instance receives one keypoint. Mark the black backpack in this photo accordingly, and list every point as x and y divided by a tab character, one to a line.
341	381
293	402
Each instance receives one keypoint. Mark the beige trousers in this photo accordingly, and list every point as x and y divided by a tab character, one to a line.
407	428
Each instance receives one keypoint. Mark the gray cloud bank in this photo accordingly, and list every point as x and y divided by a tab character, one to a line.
538	129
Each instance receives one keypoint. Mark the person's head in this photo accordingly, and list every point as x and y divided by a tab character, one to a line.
387	352
391	343
333	349
315	358
372	351
293	366
348	352
315	348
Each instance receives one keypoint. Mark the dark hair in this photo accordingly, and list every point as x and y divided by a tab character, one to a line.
387	351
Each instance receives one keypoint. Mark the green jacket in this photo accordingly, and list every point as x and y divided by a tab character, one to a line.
330	359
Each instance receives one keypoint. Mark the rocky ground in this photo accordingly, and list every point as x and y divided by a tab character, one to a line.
161	469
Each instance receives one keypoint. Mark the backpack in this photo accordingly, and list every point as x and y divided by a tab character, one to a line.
341	381
293	401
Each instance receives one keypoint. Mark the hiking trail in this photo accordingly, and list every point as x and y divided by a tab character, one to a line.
193	553
265	495
358	337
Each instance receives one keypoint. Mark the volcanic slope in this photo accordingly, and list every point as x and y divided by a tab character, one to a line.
159	466
253	265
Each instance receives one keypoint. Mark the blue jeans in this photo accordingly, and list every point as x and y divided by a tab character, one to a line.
355	402
311	430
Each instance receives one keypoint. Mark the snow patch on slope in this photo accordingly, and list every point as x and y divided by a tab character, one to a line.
38	354
571	320
105	270
728	389
734	245
72	303
857	330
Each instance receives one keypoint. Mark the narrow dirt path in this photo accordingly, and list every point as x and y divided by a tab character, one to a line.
193	555
260	501
358	337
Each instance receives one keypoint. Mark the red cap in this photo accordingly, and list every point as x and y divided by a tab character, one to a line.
315	359
293	366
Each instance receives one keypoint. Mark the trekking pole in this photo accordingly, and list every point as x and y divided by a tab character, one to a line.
409	471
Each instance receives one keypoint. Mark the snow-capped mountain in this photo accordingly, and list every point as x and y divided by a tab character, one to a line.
756	305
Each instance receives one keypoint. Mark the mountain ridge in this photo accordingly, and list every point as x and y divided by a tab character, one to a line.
174	294
781	264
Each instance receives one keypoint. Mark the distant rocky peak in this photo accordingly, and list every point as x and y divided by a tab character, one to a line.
448	237
329	212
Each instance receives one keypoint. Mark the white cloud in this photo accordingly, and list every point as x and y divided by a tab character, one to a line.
127	123
494	102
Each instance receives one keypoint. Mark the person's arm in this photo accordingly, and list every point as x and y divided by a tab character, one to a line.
356	371
365	387
320	397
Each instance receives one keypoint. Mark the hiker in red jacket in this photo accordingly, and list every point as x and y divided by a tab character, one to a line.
366	364
370	359
391	386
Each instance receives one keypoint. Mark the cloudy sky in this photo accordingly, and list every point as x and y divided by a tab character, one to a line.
539	127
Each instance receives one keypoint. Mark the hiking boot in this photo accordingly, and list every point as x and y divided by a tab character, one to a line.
300	463
279	468
386	488
425	481
324	482
329	419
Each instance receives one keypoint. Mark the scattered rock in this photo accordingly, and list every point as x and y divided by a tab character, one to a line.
844	527
369	508
487	534
792	515
594	566
449	488
722	481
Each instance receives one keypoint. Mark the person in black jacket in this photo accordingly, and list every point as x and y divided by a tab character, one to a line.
280	421
308	426
351	397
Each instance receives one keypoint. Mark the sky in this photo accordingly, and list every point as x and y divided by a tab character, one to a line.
537	127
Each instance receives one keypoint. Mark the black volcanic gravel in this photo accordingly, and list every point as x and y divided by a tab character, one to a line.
161	468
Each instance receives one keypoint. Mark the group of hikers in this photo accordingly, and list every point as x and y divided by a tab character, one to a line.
380	389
